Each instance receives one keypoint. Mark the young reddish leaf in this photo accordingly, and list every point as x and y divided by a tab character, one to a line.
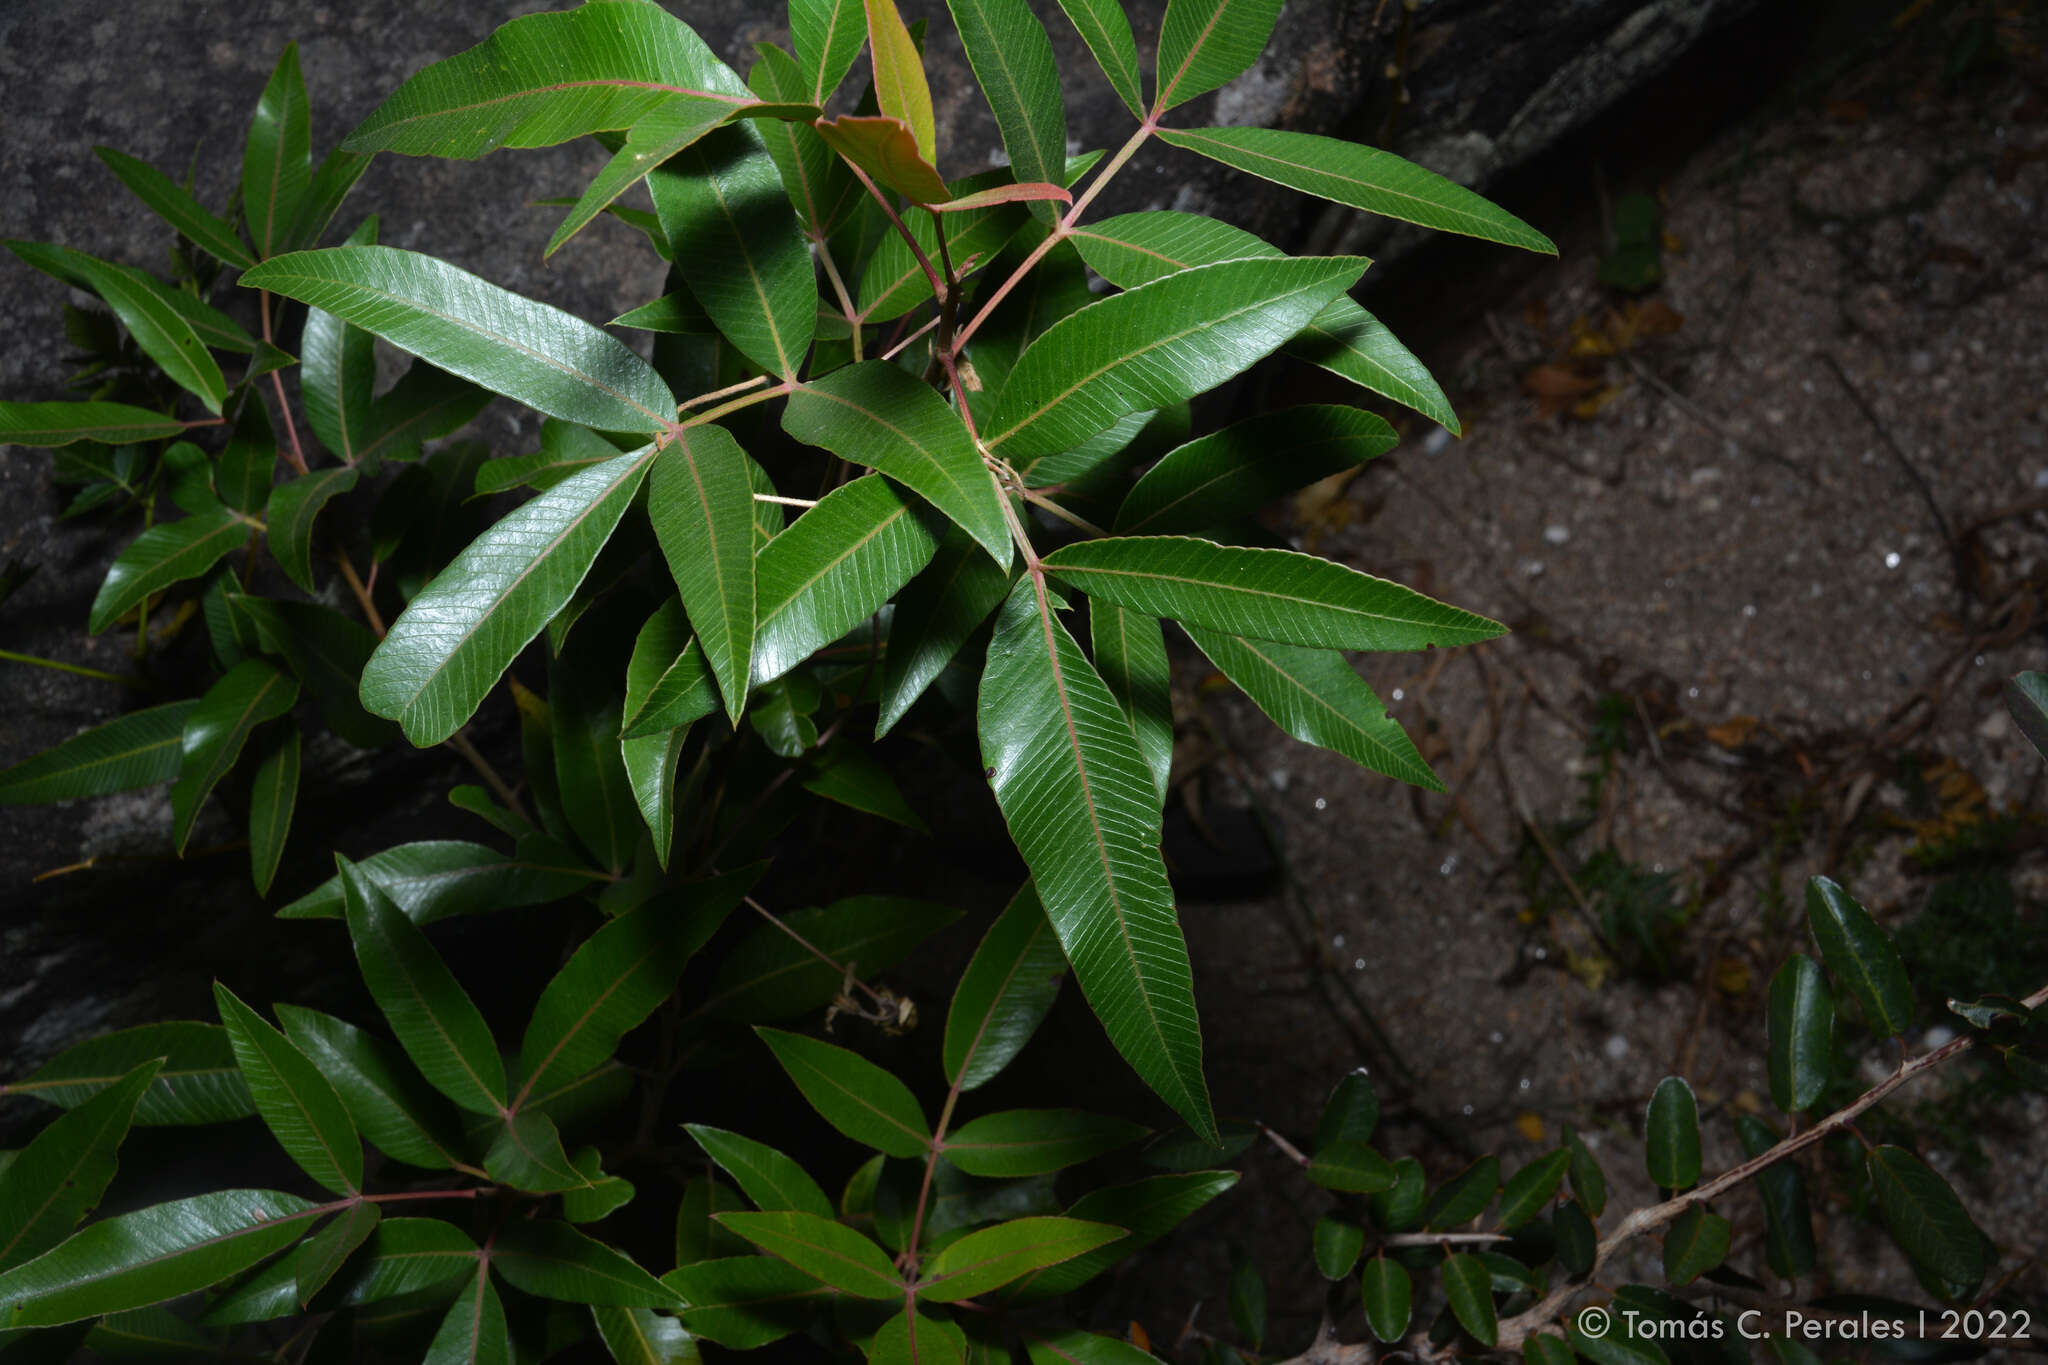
1036	191
295	1100
900	86
888	151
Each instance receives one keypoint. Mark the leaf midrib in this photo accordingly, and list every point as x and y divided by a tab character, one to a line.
1216	585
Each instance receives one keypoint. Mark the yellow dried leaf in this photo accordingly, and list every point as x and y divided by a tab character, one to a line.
1140	1338
1731	976
1734	732
1529	1125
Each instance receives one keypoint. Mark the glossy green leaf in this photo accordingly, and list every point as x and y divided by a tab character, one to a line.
322	1254
139	749
877	415
1789	1246
1337	1242
1695	1243
217	730
474	1330
597	794
769	975
995	1256
532	352
384	1096
1352	1113
1614	1348
146	1332
458	636
676	314
436	1023
1351	1166
851	776
764	1175
1147	1210
1529	1191
1925	1217
438	878
746	1301
702	505
1155	345
1546	1348
934	617
1217	479
639	1336
853	1094
408	1256
821	1248
1577	1240
684	693
289	520
1588	1182
1463	1197
828	36
1469	1288
59	1177
1083	1348
425	404
1207	43
167	553
901	90
277	162
197	1083
833	568
212	327
1363	177
1384	1288
176	206
158	325
1799	1055
1861	954
546	78
1025	1142
326	651
273	793
1004	994
914	1338
151	1255
330	184
1107	32
59	424
738	246
1081	805
526	1153
650	762
554	1261
1130	654
1400	1207
1014	66
246	469
338	374
656	137
295	1100
1671	1136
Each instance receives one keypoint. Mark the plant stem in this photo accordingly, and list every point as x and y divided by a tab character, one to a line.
717	394
80	669
839	292
371	616
909	238
293	453
460	743
743	401
931	1160
1038	499
813	949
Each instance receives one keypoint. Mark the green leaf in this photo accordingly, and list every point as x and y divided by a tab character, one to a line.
1788	1217
1083	810
1216	480
853	1094
1801	1031
1352	1112
995	1256
209	324
901	90
738	246
247	466
1588	1183
526	1153
1005	993
439	878
176	206
770	975
764	1175
1696	1243
151	1255
59	1177
1862	955
1013	63
321	1255
601	1196
597	795
554	1261
1469	1288
459	635
1155	345
273	792
1401	1206
658	135
1104	27
1578	1242
217	730
295	1100
821	1248
675	314
828	36
1463	1197
638	1336
849	774
746	1301
1147	1210
59	424
1024	1142
1130	653
277	162
165	554
833	568
548	78
1353	344
1671	1136
383	1095
158	325
146	1332
1546	1348
139	749
424	405
474	1331
1247	1299
338	380
934	617
198	1082
1351	1166
912	1338
410	1255
1388	1295
650	763
1614	1348
683	694
289	519
1529	1190
878	415
1923	1216
326	651
2026	699
336	176
1363	177
702	505
436	1023
1338	1241
532	352
1207	43
893	282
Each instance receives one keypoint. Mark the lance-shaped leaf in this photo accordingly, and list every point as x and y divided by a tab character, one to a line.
1468	1286
655	138
437	878
650	762
746	1301
1530	1189
59	424
197	1083
1363	177
702	505
547	78
289	519
1862	955
474	1330
1215	480
1155	345
338	373
1352	1112
1926	1218
277	161
436	1022
565	450
59	1177
1106	30
886	148
1024	1142
209	324
1384	1288
1671	1137
738	246
1207	43
273	793
2026	699
326	651
1801	1034
1082	807
175	205
833	568
554	1261
934	617
764	1175
459	635
1013	63
901	90
406	1255
295	1100
1005	993
685	692
1130	653
158	326
852	776
1084	1348
336	176
821	188
640	1336
1147	1210
894	281
140	749
165	554
915	1338
217	730
526	1153
826	1250
384	1096
995	1256
151	1255
321	1255
247	467
424	405
1316	696
828	36
597	795
878	415
853	1094
552	361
